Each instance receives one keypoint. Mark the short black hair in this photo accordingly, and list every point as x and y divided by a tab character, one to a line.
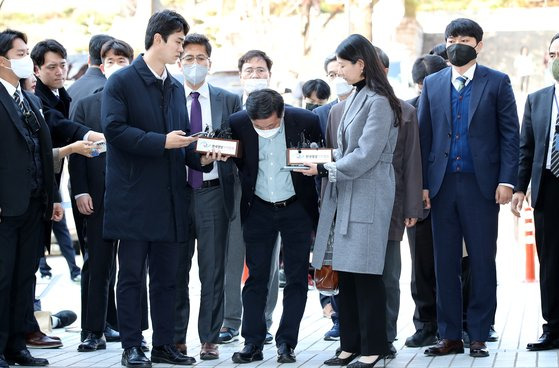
553	39
319	86
249	55
383	57
7	38
198	39
440	50
119	48
328	60
464	27
261	104
165	22
40	49
95	44
426	65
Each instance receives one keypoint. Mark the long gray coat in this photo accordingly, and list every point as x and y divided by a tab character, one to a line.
363	194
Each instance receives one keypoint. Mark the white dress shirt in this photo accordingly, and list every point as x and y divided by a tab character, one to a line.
469	75
205	104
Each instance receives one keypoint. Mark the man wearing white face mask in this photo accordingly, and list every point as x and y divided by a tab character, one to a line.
254	72
212	202
338	86
27	193
87	177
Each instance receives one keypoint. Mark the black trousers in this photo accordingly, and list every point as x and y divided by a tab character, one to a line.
101	260
260	231
162	262
362	306
19	255
423	282
546	220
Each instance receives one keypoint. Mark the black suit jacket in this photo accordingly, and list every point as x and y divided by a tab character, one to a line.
534	140
15	158
55	110
92	81
87	175
296	121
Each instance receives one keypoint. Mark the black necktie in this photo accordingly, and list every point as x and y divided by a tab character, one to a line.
28	115
554	151
21	103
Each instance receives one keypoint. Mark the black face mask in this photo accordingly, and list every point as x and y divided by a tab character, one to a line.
460	54
311	106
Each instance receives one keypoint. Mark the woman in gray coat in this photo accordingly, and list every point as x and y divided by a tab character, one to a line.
357	205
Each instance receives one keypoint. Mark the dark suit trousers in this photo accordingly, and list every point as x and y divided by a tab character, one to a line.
101	259
546	219
362	305
459	211
391	280
19	239
423	281
260	230
162	262
209	225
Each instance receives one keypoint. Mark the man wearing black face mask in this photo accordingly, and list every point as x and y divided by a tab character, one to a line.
316	93
469	147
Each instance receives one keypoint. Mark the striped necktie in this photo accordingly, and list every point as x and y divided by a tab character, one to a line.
554	151
461	83
20	102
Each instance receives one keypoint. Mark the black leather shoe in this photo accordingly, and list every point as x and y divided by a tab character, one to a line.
250	353
64	318
171	355
24	357
492	334
336	360
391	351
445	347
547	341
93	342
285	354
134	357
422	337
111	335
358	364
478	349
3	362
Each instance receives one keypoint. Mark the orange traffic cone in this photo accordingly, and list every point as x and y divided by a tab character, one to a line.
530	241
245	274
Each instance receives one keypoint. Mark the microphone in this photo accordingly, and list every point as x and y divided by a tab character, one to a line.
313	145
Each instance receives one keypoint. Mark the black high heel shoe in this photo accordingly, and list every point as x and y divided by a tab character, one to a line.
336	360
359	364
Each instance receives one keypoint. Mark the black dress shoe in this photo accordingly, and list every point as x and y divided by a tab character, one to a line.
3	362
336	360
391	351
445	347
546	341
134	357
422	337
358	364
478	349
63	318
93	342
492	334
23	357
171	355
250	353
111	335
285	354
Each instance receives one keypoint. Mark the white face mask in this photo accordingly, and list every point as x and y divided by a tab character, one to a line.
111	69
251	85
341	87
22	68
268	133
194	74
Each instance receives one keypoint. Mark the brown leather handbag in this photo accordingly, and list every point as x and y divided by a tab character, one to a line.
326	280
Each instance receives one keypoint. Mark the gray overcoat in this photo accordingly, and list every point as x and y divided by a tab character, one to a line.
362	196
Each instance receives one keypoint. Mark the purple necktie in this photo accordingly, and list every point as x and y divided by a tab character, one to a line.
195	176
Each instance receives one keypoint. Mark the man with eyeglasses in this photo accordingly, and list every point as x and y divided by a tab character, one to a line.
211	202
27	193
255	70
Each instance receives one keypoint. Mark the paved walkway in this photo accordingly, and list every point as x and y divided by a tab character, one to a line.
518	321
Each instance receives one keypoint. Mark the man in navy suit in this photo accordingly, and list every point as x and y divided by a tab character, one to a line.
539	163
144	118
469	148
211	202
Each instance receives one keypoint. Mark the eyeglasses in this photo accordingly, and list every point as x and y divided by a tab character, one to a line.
332	75
259	71
200	59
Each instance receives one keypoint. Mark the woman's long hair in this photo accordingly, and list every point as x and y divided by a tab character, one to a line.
357	47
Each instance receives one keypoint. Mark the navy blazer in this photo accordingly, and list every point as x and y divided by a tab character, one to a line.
145	196
534	140
296	121
322	112
92	81
15	157
492	129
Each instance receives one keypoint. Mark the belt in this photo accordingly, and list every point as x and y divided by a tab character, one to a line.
209	184
280	204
